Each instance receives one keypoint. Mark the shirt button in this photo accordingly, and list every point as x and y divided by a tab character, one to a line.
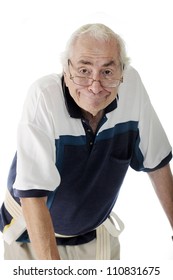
91	143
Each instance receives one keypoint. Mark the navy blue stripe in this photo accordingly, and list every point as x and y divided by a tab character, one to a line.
137	159
12	173
73	140
118	129
31	193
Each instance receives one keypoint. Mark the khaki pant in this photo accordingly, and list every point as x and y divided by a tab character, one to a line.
24	251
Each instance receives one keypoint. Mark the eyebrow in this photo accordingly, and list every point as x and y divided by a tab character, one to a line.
109	63
86	62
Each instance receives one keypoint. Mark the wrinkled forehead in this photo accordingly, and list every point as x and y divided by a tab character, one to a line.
86	45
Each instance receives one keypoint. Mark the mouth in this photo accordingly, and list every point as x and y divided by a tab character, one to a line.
91	102
92	96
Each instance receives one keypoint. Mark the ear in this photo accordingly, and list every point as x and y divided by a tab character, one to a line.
65	79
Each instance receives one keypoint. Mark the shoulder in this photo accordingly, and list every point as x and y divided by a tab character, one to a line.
42	95
132	84
131	74
46	82
45	88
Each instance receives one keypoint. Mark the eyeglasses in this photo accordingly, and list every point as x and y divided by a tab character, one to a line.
86	81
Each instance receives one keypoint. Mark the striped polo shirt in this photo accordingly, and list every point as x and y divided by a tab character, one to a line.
81	172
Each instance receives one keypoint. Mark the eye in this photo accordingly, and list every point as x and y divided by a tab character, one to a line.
107	73
84	71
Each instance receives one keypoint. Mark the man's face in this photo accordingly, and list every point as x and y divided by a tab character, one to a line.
98	60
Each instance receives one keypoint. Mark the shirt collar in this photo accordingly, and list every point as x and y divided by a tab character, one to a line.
74	110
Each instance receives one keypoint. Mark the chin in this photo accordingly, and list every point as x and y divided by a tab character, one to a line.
93	111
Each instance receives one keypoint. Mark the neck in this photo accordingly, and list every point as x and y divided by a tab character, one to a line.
93	120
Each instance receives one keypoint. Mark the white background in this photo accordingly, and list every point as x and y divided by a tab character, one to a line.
34	32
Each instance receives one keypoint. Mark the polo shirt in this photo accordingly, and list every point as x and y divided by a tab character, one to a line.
80	172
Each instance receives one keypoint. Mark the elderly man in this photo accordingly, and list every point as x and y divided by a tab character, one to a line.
79	133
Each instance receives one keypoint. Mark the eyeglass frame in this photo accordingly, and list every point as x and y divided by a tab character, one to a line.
91	79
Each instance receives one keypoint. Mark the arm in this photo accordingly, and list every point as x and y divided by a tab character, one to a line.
162	181
40	228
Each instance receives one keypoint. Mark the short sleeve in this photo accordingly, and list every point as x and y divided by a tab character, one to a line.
152	148
36	170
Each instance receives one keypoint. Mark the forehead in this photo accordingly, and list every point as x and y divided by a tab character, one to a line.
91	49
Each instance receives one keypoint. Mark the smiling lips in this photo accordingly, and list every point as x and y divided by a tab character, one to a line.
93	96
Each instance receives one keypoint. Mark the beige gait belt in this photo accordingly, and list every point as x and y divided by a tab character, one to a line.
103	232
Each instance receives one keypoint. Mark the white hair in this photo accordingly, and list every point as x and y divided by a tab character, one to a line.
100	32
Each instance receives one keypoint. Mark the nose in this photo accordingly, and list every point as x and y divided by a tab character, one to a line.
95	87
